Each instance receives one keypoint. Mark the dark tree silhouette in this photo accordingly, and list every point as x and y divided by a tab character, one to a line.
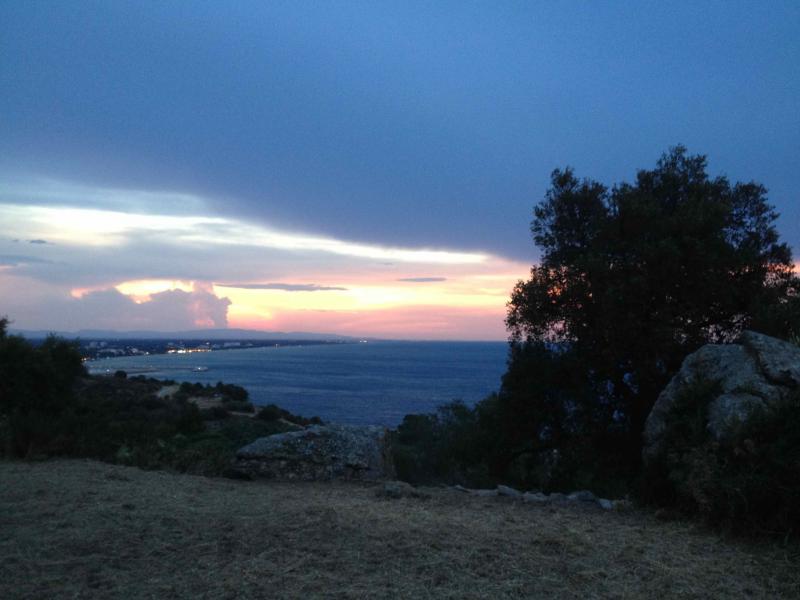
633	278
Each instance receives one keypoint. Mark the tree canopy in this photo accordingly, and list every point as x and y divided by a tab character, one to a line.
634	277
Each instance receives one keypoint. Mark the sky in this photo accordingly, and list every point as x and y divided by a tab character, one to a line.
359	168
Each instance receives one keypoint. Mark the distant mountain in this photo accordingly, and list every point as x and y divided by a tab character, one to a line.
193	334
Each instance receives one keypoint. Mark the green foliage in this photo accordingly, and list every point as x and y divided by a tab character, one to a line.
50	407
532	440
225	392
634	278
36	388
111	416
230	392
748	481
272	412
241	431
215	413
239	406
449	445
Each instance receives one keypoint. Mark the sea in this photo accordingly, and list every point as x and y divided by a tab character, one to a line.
359	383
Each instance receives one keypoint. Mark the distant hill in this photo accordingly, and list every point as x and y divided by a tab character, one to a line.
193	334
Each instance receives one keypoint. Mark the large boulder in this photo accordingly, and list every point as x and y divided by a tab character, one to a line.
320	452
755	373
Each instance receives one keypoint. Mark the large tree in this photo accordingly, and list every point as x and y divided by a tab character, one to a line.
633	278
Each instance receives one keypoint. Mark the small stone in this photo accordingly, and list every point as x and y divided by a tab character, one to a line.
582	496
504	490
535	497
605	504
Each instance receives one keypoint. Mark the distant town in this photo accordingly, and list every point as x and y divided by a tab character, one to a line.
92	349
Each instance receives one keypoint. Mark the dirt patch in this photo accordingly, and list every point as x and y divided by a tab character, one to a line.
82	529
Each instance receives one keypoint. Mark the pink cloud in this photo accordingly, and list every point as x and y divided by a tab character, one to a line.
41	307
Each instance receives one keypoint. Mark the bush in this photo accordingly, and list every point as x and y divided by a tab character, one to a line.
110	416
272	412
230	392
36	390
239	406
214	413
450	446
746	482
50	407
540	432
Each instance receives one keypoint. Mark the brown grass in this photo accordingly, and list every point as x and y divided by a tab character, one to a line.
82	529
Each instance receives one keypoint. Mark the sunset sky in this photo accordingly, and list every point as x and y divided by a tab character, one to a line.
360	168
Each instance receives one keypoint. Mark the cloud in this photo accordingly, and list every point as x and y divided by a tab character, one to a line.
38	242
113	228
37	305
14	260
287	287
171	309
422	279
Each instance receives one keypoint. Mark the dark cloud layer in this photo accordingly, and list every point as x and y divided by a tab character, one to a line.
412	124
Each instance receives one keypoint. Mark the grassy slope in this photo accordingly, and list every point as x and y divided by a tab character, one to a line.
73	529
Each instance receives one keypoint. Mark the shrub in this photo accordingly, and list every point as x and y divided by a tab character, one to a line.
748	481
240	431
214	413
202	454
239	406
546	429
35	391
272	412
230	392
112	414
447	446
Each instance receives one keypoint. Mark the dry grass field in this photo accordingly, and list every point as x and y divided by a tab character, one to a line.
83	529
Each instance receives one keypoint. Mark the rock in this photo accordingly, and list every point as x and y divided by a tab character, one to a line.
535	497
757	372
582	496
557	497
484	493
504	490
605	504
779	360
320	452
399	489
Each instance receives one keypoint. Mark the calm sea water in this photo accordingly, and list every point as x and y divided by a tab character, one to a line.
372	383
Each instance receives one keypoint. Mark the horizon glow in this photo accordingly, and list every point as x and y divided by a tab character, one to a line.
315	283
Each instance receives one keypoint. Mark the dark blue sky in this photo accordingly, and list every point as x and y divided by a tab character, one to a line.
412	124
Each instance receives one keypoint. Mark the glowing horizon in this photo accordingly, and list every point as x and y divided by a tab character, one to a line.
104	266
